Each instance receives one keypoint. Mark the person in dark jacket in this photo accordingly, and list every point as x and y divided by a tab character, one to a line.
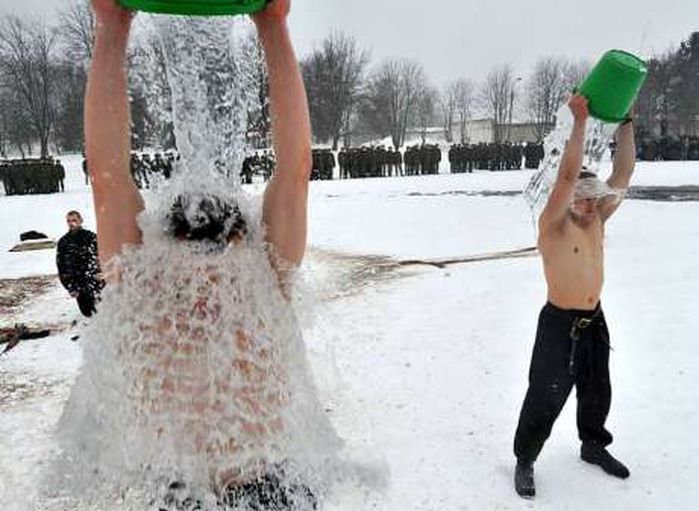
78	265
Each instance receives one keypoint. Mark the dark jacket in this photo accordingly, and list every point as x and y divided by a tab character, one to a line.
77	262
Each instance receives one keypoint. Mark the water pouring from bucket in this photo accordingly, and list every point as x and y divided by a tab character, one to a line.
196	7
611	88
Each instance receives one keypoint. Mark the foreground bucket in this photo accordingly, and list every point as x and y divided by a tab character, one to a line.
613	84
196	7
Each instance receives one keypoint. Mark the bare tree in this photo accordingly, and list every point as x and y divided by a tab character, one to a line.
426	104
27	67
5	122
334	73
668	104
256	82
653	104
574	73
68	132
15	127
497	95
77	30
76	38
391	98
150	94
464	98
685	90
447	107
546	91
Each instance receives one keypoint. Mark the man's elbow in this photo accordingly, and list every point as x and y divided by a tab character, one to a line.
305	163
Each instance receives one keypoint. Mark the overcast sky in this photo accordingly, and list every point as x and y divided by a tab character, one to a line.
467	38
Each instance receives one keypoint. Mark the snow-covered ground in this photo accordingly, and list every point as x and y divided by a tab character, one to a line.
426	367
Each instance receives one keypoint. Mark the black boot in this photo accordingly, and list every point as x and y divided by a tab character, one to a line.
598	455
524	479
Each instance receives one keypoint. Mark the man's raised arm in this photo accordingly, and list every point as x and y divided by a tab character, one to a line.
570	167
108	134
286	196
623	167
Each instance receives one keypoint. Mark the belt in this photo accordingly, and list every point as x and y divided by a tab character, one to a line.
580	320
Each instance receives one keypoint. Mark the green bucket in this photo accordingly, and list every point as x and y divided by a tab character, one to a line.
196	7
613	84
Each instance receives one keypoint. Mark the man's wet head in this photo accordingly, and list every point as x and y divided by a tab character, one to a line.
588	191
206	217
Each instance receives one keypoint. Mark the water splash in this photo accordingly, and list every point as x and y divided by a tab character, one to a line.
598	134
195	378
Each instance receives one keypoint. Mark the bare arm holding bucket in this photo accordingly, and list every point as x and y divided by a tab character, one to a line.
108	135
286	196
571	165
624	164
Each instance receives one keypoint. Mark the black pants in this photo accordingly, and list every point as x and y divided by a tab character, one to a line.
571	348
267	493
86	302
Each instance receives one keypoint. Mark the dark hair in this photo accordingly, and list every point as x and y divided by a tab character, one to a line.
205	217
73	212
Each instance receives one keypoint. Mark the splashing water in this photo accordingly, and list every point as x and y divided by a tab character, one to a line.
195	378
597	137
209	113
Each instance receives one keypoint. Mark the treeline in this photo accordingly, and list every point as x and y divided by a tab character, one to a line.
349	95
43	75
668	105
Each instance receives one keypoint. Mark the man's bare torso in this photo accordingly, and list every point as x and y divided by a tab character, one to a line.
245	388
573	258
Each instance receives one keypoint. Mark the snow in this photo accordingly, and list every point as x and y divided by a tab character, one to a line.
426	367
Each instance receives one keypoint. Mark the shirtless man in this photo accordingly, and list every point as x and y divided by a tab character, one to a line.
118	201
572	341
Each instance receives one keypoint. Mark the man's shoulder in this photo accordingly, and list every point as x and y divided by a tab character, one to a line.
85	233
64	240
82	237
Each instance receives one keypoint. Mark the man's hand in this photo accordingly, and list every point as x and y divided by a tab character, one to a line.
275	12
578	106
111	14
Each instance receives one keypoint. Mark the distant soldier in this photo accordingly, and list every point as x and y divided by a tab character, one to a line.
60	175
135	169
146	169
168	165
159	164
342	162
246	171
398	162
86	172
3	176
46	177
436	158
78	265
317	165
693	149
539	154
19	176
8	179
329	165
268	164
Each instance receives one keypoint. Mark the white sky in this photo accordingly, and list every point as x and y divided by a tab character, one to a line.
459	38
